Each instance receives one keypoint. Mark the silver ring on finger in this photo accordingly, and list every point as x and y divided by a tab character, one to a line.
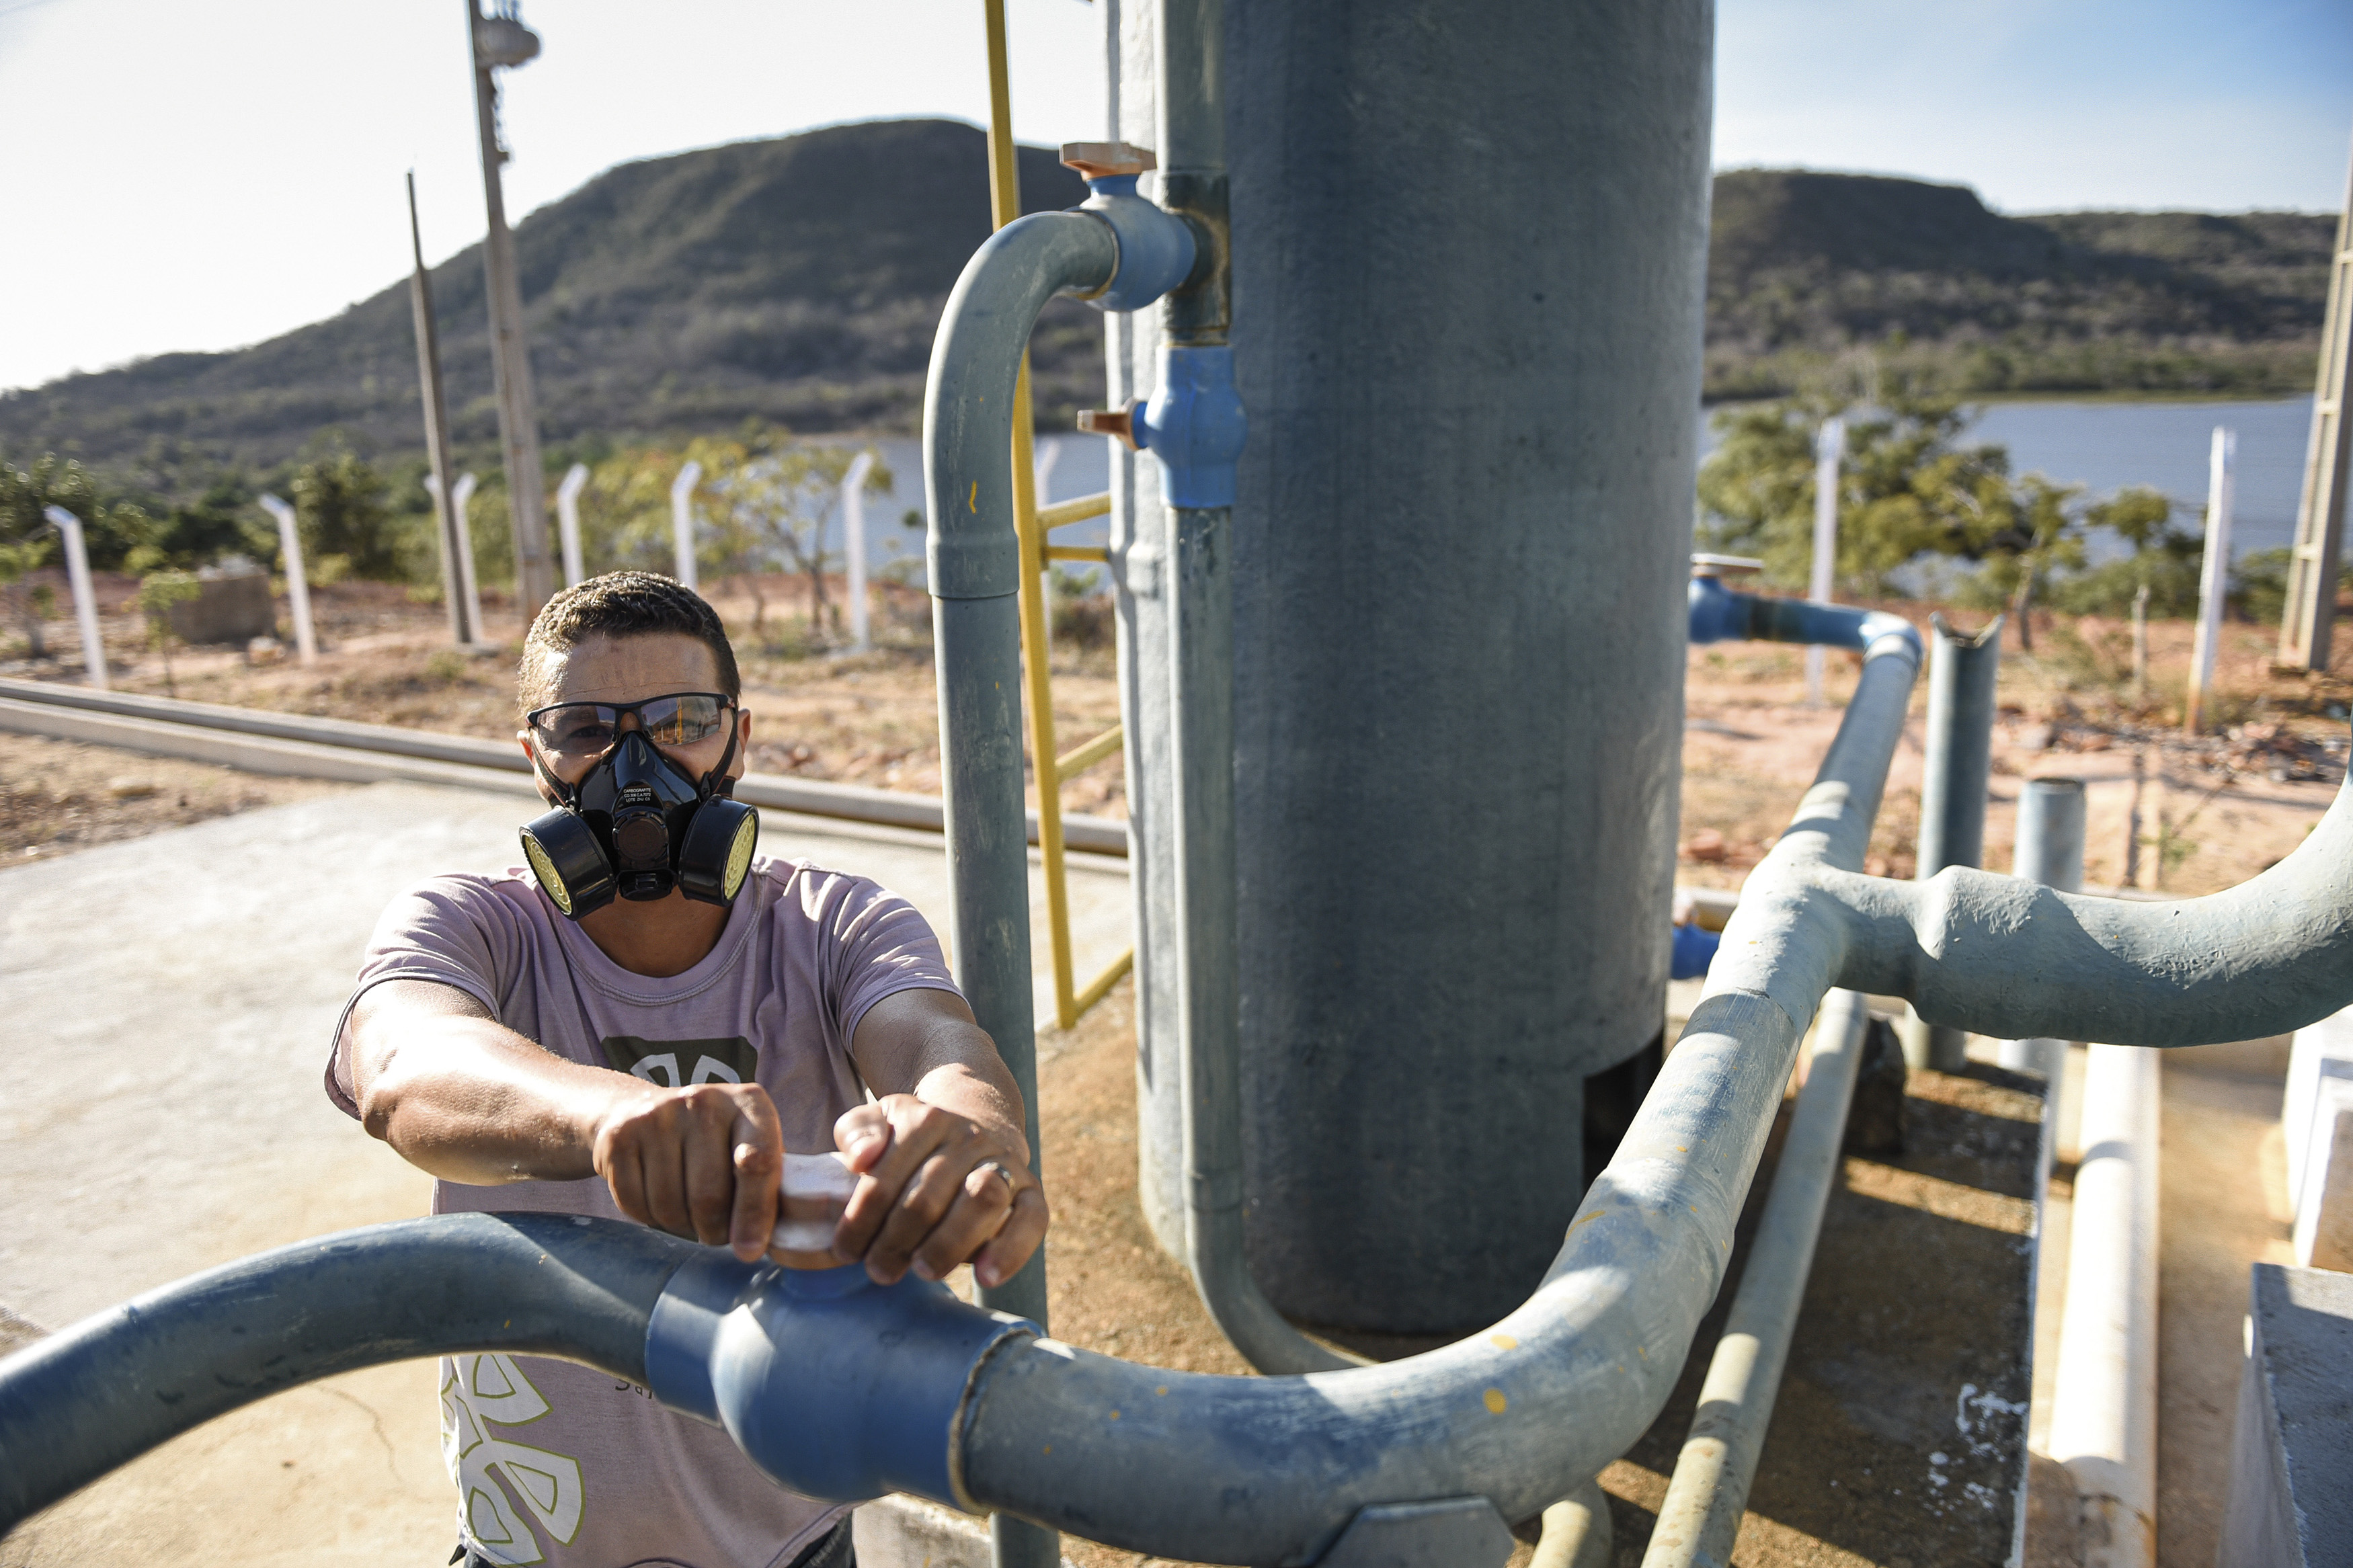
1012	1186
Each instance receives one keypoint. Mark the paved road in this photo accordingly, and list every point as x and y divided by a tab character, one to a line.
165	1005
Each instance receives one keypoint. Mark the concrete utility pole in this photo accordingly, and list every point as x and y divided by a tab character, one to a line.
464	630
2213	578
501	41
1829	448
2320	518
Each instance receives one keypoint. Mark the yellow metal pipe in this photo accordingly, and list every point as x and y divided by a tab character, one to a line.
1082	757
1078	553
1101	985
1061	514
1004	205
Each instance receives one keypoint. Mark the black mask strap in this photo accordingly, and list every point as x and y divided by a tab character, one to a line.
716	780
566	796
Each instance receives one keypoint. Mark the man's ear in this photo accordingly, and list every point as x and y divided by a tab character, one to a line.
742	744
531	754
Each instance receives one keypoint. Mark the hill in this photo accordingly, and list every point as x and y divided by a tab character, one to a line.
800	280
1805	270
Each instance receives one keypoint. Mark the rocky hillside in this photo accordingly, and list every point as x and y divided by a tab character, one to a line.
800	280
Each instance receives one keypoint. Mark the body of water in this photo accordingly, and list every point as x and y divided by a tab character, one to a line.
2102	445
2105	447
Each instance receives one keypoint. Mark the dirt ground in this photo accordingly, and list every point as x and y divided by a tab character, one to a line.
56	796
2165	812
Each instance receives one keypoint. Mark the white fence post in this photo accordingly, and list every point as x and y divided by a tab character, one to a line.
93	646
1829	448
470	596
681	520
853	544
2214	577
297	587
567	521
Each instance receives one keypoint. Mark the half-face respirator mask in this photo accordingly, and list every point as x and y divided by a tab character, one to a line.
637	824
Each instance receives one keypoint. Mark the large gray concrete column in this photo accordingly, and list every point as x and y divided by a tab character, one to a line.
1468	248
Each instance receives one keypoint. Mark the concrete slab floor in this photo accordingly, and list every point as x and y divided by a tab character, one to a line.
167	1000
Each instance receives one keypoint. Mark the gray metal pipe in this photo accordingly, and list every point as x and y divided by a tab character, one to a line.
2050	850
98	1395
1700	1516
1208	992
1270	1470
1201	638
975	560
1962	668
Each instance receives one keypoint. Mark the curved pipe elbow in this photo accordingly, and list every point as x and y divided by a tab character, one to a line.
1717	614
971	550
2016	960
98	1394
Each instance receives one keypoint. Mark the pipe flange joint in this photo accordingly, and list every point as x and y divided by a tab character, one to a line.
1156	247
836	1387
1195	425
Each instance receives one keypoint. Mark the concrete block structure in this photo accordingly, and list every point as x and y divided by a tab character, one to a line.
2291	1506
2317	1118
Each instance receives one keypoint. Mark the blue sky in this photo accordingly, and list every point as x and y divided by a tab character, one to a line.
197	175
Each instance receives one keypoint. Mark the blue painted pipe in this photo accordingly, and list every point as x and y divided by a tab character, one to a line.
99	1394
838	1387
1157	248
1720	615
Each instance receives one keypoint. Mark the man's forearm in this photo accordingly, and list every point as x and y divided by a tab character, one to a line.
470	1100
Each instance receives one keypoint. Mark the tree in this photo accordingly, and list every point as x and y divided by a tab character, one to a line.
2164	560
29	541
339	503
768	506
158	592
1905	488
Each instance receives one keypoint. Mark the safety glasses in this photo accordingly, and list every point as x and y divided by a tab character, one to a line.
588	729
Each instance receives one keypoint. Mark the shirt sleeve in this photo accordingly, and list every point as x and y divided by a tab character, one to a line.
875	945
448	931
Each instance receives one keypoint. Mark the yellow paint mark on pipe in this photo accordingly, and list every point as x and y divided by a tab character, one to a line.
1496	1403
1504	1341
972	503
1114	1414
1046	1449
1585	1219
1162	1390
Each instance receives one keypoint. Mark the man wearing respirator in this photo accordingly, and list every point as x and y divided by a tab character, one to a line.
640	1022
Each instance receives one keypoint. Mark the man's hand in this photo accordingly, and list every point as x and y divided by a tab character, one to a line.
936	1189
702	1162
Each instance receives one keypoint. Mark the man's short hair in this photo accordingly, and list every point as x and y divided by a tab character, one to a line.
621	605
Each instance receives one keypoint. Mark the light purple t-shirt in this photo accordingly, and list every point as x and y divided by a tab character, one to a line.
560	1464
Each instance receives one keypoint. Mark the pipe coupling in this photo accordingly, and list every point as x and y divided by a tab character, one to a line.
1156	247
838	1388
1193	424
